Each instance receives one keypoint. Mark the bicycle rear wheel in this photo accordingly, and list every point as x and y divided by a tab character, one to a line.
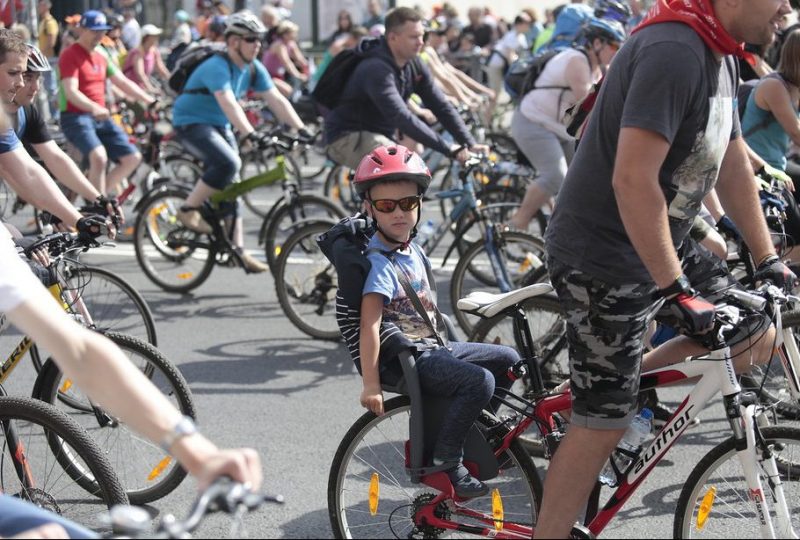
287	216
374	447
306	283
339	188
732	514
147	472
55	450
171	256
520	253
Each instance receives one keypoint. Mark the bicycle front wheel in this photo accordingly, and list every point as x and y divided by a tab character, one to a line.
147	472
732	513
171	256
54	449
519	254
374	448
261	199
289	215
306	283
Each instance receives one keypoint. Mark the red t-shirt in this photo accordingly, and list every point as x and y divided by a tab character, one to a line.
91	70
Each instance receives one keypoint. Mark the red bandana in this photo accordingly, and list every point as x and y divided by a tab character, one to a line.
699	14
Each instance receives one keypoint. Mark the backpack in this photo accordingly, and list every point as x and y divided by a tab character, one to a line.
523	74
569	25
345	246
328	91
192	56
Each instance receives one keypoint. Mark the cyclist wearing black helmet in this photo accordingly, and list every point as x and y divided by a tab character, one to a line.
31	128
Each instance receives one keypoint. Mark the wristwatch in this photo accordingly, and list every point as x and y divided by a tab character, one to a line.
680	285
183	428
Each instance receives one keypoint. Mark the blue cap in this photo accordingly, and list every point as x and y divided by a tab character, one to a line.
94	20
646	413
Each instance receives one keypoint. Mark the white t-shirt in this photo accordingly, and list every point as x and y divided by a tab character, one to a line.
512	42
17	282
545	106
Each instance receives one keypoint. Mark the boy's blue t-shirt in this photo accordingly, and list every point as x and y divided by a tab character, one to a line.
397	307
214	75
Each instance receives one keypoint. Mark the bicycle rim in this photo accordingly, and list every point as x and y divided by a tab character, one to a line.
375	447
306	283
52	444
173	257
147	472
732	513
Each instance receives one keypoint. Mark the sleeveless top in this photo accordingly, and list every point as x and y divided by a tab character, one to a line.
763	132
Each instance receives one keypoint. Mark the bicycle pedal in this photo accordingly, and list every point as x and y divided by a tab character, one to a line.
579	531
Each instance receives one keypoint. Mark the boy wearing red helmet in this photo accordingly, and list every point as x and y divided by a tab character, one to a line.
391	180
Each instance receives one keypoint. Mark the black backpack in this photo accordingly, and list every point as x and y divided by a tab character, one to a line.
191	57
523	74
328	91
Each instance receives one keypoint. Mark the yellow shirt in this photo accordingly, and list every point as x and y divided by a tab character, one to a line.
48	27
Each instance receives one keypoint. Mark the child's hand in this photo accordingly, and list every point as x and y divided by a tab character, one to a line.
372	399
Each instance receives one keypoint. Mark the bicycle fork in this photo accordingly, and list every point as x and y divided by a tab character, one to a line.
741	412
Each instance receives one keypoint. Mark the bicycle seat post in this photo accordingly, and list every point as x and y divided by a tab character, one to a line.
523	336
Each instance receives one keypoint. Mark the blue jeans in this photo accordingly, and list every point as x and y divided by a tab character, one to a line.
468	375
18	516
86	133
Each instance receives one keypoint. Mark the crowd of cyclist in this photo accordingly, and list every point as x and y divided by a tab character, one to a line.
411	73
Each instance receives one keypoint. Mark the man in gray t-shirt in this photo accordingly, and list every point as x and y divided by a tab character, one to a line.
663	132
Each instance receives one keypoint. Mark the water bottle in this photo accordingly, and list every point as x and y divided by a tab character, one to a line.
425	232
632	441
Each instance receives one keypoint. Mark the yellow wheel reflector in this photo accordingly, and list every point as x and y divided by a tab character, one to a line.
160	468
374	493
186	275
705	508
530	261
66	386
497	510
277	250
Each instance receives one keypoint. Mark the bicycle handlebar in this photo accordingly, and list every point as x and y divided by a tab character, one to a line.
224	495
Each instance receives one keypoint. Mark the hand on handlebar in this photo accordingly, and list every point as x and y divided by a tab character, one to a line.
90	227
769	173
694	314
772	269
243	465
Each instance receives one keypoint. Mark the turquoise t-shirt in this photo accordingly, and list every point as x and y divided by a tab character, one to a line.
768	138
215	74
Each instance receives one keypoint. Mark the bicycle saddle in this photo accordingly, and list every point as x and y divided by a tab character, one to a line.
488	305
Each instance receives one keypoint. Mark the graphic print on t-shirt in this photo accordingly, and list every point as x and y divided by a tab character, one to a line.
696	176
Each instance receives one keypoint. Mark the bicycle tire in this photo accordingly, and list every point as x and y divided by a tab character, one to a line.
147	471
181	169
775	388
298	211
386	457
339	188
46	432
308	293
265	162
728	506
527	255
156	227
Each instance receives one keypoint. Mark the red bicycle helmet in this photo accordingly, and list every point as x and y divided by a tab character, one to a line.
393	162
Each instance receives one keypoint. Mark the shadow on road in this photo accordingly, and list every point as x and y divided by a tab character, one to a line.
267	361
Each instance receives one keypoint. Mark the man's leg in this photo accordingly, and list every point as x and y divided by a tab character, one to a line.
350	149
119	149
606	325
80	131
98	162
17	516
127	164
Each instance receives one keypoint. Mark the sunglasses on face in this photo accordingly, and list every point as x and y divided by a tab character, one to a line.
387	206
251	39
614	46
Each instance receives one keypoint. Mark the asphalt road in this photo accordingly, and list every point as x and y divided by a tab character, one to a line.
259	382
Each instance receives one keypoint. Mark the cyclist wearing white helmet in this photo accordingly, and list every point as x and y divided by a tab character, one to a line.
207	109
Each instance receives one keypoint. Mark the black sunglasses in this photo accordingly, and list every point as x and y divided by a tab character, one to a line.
387	206
251	39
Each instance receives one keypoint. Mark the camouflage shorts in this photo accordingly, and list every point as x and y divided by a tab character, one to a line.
606	325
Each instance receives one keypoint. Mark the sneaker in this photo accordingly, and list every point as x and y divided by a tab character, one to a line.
192	220
465	485
250	263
